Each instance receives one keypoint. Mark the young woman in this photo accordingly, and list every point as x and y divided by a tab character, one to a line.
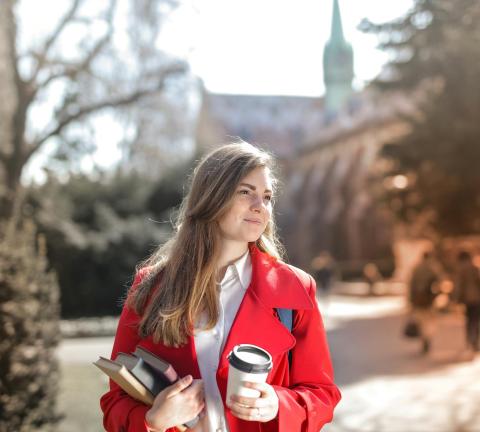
217	283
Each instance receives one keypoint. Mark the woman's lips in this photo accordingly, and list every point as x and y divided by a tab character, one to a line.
253	221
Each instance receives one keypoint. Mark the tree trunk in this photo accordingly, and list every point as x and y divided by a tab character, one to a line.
9	173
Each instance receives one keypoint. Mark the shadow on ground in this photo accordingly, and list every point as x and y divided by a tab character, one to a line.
372	347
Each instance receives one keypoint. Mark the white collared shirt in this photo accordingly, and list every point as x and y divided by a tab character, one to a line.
209	343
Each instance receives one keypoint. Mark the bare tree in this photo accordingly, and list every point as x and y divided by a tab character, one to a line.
8	95
96	72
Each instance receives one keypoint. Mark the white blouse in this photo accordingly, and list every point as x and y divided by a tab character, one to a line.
209	343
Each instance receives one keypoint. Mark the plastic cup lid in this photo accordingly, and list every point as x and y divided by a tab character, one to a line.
250	358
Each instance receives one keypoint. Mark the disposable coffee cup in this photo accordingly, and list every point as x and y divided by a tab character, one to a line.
247	363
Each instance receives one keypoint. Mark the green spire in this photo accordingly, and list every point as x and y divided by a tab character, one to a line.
336	35
337	65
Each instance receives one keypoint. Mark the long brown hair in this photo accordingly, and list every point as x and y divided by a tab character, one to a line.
180	276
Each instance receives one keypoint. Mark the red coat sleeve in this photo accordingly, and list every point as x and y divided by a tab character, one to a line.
121	413
308	402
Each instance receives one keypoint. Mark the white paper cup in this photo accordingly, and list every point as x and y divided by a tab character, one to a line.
247	363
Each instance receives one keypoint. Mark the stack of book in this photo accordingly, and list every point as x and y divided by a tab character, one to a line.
142	375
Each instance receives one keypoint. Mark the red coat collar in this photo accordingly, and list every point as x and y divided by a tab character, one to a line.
275	283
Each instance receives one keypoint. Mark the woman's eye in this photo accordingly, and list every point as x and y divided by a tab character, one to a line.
268	197
244	192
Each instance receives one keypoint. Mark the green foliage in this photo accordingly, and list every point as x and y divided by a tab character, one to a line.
436	55
99	229
29	333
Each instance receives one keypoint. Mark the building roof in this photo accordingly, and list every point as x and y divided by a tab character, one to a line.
279	123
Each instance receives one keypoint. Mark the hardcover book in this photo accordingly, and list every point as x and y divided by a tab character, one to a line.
165	368
142	375
123	377
143	372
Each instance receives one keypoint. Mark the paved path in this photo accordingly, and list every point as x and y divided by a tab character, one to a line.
84	350
387	385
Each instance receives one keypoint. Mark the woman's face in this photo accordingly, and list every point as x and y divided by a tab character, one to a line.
251	208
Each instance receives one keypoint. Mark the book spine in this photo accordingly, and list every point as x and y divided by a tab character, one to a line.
148	377
170	374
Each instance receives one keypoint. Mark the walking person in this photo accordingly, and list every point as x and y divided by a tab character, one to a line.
217	283
467	289
421	297
323	269
372	276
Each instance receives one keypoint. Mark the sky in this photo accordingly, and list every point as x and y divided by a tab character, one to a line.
240	47
252	46
273	46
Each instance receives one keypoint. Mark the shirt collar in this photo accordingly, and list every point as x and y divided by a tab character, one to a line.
241	269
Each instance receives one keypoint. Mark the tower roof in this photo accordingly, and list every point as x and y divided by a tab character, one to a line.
337	64
336	34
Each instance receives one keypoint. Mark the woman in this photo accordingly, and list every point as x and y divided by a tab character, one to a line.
217	283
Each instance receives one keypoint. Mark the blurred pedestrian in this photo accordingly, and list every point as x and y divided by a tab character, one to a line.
371	275
467	292
323	267
421	297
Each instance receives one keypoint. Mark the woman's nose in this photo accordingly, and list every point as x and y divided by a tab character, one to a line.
257	203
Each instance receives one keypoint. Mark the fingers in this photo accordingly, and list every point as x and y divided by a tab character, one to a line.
199	408
257	402
194	397
180	385
246	413
261	409
194	389
252	413
249	402
263	388
203	412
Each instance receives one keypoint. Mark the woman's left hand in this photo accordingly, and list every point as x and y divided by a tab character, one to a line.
261	409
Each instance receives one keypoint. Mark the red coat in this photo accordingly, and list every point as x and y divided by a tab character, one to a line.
307	394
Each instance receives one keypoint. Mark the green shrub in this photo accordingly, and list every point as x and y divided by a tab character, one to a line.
29	333
98	229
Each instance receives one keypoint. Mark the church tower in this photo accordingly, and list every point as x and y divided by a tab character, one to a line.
337	65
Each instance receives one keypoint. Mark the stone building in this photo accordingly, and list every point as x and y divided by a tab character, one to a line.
327	147
327	202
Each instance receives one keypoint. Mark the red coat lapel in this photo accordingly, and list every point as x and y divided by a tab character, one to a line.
273	285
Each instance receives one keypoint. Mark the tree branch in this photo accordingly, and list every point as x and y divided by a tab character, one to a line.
119	101
73	69
21	90
42	56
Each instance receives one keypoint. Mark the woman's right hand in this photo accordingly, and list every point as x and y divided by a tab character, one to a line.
176	404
